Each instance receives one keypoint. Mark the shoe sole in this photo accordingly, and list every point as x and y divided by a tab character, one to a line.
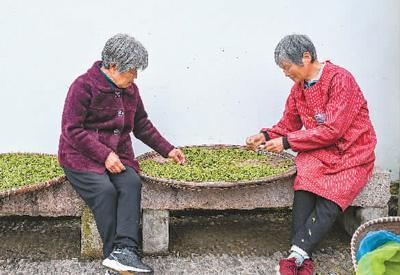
114	272
279	273
120	267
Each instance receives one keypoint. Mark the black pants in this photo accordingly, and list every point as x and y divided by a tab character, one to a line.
115	202
313	216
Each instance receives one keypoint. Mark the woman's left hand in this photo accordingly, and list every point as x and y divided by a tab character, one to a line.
274	145
177	155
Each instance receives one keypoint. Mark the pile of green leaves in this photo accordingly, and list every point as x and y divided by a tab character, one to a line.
218	164
17	170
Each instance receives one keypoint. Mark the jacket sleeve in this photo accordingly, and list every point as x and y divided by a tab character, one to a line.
73	129
289	122
344	103
146	132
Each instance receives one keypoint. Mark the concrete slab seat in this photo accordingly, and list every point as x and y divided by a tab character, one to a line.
158	200
56	200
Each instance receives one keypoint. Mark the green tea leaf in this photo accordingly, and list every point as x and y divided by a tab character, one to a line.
21	169
218	164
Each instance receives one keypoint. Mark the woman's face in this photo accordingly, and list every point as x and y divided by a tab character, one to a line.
298	73
295	72
123	80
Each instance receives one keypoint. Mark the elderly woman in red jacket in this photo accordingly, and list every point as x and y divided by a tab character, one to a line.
102	108
326	122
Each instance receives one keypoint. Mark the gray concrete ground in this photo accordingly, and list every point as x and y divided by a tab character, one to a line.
228	242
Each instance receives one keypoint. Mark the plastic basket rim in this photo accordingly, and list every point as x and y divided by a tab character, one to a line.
365	227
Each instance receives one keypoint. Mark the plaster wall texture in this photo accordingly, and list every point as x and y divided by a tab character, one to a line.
211	76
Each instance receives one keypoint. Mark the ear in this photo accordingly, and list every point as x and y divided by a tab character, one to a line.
306	58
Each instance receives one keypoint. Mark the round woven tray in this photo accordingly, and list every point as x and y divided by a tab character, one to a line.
218	184
385	223
31	187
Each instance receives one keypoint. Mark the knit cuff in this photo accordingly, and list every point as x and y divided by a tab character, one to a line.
265	133
286	144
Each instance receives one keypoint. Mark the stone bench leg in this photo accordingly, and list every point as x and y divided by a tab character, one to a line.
353	217
91	244
155	231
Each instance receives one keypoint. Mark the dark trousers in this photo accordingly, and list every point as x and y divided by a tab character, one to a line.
313	216
115	202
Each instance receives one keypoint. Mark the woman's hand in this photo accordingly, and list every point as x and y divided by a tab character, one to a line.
177	155
274	145
253	142
113	164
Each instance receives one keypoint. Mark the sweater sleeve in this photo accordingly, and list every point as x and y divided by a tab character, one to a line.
289	122
75	109
344	103
146	132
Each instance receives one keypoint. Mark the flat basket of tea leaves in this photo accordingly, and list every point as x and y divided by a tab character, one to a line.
27	172
217	166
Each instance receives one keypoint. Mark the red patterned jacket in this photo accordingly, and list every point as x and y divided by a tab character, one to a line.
329	126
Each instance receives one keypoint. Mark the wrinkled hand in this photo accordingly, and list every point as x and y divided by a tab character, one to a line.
253	142
177	155
274	145
113	163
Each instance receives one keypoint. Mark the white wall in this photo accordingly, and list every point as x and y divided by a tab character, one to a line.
211	77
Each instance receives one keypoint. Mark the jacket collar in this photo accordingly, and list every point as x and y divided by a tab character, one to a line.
101	82
325	70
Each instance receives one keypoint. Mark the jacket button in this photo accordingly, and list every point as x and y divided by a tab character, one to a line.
116	132
120	113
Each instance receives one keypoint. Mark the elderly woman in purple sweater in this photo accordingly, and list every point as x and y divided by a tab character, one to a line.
102	108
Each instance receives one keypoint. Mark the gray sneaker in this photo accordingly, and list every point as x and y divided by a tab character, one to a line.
124	259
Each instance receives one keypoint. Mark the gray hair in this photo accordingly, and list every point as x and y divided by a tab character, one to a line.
292	47
125	52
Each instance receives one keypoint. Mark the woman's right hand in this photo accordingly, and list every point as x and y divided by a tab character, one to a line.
114	164
253	142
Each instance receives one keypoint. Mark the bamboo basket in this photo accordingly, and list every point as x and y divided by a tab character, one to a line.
218	184
34	186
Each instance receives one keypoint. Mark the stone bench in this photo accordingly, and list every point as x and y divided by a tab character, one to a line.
58	200
157	200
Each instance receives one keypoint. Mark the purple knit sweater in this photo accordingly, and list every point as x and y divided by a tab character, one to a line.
98	118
